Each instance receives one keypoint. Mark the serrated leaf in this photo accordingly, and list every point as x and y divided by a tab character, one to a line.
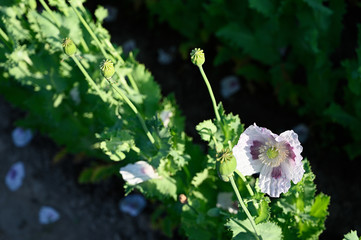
118	144
206	129
148	86
263	212
199	178
351	236
320	206
101	13
243	230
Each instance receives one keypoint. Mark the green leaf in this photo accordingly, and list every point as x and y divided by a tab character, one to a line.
266	7
101	13
351	236
317	5
148	86
117	143
206	129
263	212
199	178
320	206
243	230
299	212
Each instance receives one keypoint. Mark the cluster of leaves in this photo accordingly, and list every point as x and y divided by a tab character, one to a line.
351	236
299	212
295	46
39	78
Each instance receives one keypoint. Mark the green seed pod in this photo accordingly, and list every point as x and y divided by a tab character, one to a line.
69	47
107	68
197	57
226	164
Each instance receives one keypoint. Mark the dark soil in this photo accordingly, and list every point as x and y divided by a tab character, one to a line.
91	211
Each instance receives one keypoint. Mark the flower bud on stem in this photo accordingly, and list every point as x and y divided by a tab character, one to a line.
197	58
102	47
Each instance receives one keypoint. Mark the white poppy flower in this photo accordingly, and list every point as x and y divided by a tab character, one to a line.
276	157
14	177
48	215
138	172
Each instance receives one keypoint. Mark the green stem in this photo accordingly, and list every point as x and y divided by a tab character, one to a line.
135	110
88	78
50	12
85	46
90	31
117	55
211	94
245	182
250	218
6	38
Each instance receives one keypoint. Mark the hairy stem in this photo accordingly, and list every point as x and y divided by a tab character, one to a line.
250	218
211	94
48	10
89	79
90	31
135	110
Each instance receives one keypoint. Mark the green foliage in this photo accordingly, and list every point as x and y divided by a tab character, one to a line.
300	212
86	114
351	236
294	46
242	230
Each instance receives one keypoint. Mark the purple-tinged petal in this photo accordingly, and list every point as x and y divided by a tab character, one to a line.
48	215
254	148
21	137
293	171
294	147
132	204
273	181
246	149
14	177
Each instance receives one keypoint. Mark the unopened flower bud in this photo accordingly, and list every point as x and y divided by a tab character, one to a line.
226	164
182	198
197	57
107	68
69	47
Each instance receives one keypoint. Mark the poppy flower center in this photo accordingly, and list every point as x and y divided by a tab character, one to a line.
273	153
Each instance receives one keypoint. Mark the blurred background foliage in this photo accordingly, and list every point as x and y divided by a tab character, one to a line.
307	51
